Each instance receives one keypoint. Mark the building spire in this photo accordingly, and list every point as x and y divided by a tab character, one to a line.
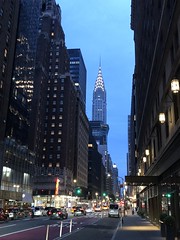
99	98
99	80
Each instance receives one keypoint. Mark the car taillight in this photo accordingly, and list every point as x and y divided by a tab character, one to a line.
59	213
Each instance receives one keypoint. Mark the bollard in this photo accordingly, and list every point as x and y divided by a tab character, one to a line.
47	232
60	230
121	221
70	227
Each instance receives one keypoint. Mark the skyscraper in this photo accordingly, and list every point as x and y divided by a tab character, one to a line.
99	99
99	126
78	72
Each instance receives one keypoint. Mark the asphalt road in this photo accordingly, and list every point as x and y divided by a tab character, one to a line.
94	225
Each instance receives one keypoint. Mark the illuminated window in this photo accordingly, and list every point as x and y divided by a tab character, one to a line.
5	53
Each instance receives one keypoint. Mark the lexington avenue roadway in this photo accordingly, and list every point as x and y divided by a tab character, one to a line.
91	226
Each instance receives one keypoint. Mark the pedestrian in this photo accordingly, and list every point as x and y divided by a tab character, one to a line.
32	213
133	211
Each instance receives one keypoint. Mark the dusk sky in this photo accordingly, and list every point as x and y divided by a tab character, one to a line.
101	29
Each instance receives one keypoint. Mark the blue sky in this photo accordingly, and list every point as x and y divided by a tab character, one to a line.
101	29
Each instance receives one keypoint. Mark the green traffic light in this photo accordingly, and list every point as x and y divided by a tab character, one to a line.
168	195
78	191
104	194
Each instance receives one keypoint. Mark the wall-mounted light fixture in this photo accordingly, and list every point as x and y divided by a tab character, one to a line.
175	85
147	152
144	159
162	117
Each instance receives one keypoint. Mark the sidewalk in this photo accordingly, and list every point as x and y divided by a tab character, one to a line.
137	228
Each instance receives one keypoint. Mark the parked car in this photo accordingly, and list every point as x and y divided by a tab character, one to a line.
79	211
114	210
3	215
58	213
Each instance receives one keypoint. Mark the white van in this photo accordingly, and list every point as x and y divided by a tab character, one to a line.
114	210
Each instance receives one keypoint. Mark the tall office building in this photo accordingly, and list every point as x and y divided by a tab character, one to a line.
17	158
99	126
155	110
78	72
99	115
9	13
59	130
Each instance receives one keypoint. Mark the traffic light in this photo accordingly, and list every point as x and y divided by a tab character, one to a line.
104	194
168	195
78	191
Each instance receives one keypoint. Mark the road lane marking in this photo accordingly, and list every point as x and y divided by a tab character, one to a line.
8	226
24	230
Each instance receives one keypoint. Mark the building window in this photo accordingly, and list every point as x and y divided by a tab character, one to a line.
59	140
5	53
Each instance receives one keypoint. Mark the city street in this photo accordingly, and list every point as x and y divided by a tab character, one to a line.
91	226
41	227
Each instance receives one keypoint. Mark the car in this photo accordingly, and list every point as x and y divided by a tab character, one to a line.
58	213
79	211
46	211
15	213
89	210
38	211
73	208
3	215
97	208
105	207
114	210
